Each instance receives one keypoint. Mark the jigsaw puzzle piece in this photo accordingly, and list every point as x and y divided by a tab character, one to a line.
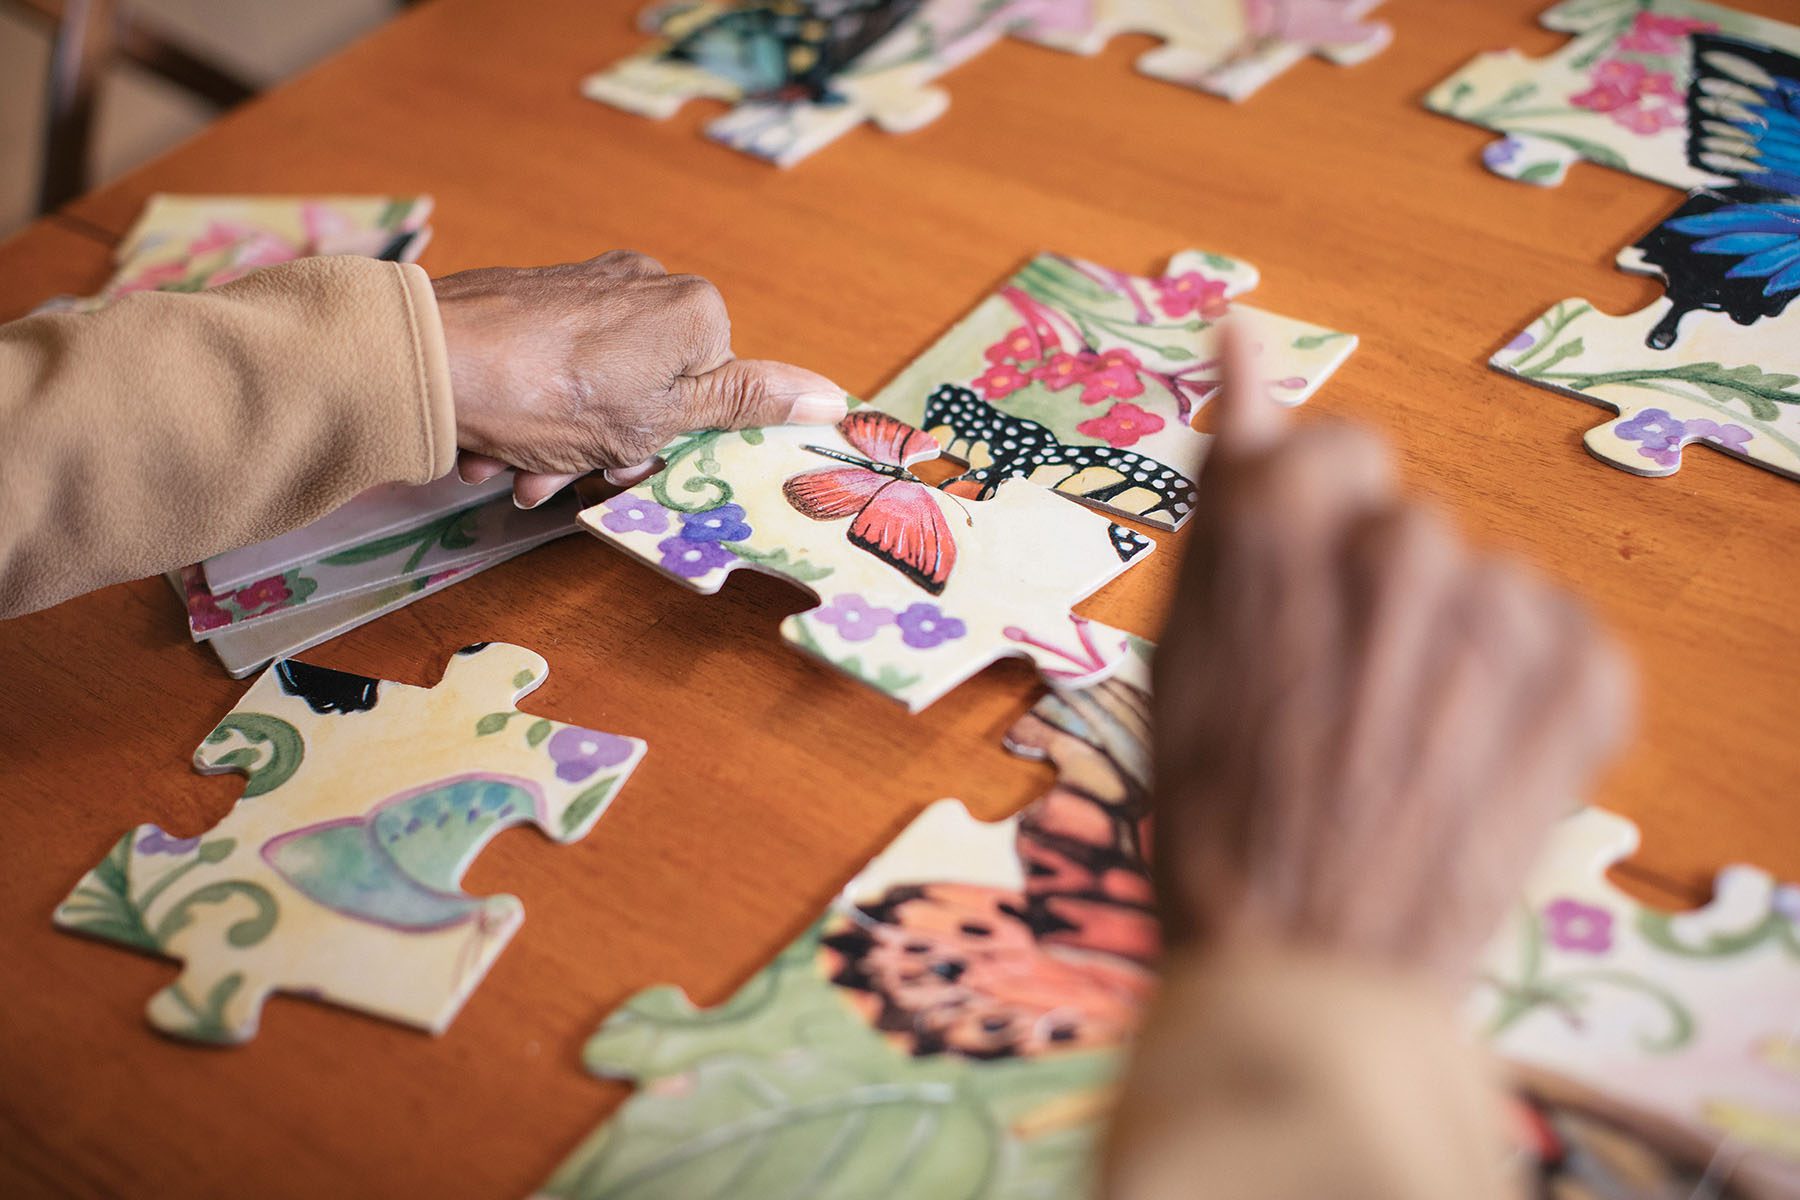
803	73
1086	380
336	875
919	589
1689	1015
1616	95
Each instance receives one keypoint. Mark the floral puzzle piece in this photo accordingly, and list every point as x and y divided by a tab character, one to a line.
950	1027
802	73
1616	95
335	876
432	548
1086	380
919	589
190	243
1230	48
1717	360
1690	1015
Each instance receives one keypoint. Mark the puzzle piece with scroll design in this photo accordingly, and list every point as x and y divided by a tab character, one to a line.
1086	379
1686	1018
1614	95
335	876
801	73
918	589
950	1027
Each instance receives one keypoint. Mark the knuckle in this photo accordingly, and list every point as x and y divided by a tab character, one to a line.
629	262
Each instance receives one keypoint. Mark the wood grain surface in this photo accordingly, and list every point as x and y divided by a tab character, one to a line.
770	780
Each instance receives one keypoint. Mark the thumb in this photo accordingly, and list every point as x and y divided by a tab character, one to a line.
747	393
1245	420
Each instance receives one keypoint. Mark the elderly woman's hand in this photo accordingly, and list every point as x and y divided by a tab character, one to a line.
558	371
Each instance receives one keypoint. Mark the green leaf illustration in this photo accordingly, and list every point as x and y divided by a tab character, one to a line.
267	735
582	807
494	722
540	729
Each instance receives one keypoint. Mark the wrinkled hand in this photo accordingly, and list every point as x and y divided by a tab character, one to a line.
1363	727
563	370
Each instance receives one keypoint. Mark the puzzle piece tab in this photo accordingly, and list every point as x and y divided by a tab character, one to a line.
801	73
1689	1016
1086	380
919	590
1615	95
950	1027
335	876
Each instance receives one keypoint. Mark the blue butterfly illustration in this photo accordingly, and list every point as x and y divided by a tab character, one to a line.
789	51
1735	249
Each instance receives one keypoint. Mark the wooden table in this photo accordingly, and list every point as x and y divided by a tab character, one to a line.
770	779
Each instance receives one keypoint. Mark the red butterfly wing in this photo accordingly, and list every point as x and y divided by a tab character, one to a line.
834	492
903	526
886	439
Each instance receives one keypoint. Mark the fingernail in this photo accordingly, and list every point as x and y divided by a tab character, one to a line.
519	504
819	408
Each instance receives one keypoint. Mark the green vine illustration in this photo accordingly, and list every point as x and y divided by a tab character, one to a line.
1569	991
1060	286
283	744
699	447
1658	929
103	906
1745	394
453	532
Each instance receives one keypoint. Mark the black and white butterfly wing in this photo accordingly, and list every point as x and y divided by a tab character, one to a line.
792	50
1744	113
998	446
1735	250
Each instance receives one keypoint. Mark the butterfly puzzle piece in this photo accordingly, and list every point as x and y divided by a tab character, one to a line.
802	73
919	588
336	874
1717	360
949	1027
1687	1018
1086	380
1615	95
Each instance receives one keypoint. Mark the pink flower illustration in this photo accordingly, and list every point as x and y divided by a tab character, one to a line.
1062	369
1649	120
1618	86
1191	292
1654	33
1112	375
1001	380
1019	346
1577	927
264	593
1123	424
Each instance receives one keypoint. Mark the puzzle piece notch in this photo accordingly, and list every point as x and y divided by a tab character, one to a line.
336	875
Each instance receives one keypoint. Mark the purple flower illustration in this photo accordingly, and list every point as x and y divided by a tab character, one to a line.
1663	435
924	625
1499	154
1523	342
722	524
1787	902
1583	928
158	842
578	753
634	514
856	619
690	559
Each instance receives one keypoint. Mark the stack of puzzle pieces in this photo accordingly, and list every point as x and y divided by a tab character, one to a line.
802	73
384	549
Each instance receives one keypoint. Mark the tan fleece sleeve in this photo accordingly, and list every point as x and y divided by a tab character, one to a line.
1298	1078
165	427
